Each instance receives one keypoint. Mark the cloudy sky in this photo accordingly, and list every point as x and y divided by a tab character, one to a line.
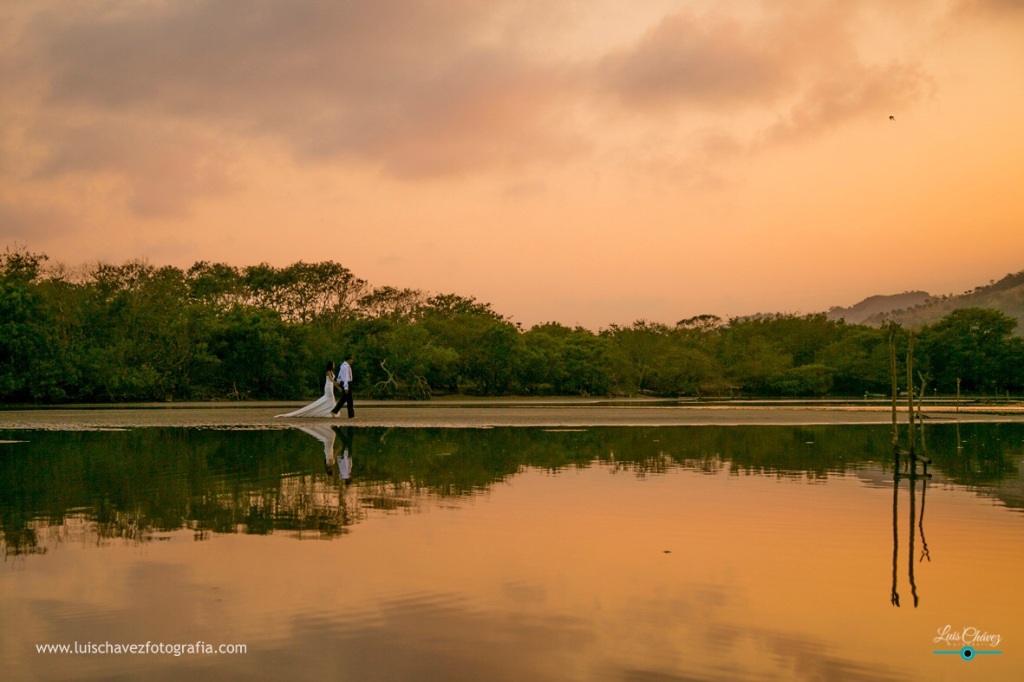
585	161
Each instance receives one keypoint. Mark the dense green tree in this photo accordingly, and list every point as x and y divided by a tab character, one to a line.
489	362
144	341
585	363
478	349
974	345
406	356
541	366
684	370
216	285
30	354
655	359
302	291
1013	365
859	362
813	379
397	304
753	361
563	361
259	356
801	355
637	351
449	306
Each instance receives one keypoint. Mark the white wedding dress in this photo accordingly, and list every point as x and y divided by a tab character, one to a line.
321	407
325	434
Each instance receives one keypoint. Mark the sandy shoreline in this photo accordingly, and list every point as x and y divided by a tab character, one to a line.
469	413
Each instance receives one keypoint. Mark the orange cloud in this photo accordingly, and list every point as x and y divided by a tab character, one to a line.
684	151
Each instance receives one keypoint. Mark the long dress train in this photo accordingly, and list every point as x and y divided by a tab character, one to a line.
321	407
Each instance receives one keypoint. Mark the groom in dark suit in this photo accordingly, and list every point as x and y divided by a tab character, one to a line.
344	381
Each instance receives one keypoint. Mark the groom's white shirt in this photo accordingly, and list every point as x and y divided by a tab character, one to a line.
345	375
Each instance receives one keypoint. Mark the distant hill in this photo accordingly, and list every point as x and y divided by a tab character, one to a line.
878	305
918	308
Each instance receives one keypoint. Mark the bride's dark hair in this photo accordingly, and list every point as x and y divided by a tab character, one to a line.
330	365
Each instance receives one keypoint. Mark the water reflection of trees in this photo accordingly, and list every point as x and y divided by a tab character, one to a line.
132	484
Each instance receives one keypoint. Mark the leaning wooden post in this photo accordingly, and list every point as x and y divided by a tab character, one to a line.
958	395
910	394
895	390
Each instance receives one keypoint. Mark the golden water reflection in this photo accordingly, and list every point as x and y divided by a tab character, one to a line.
662	555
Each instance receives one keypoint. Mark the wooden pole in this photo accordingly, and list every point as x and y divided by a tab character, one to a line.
910	394
920	414
895	392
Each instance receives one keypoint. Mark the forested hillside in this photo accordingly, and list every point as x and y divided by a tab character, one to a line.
1006	296
139	332
878	305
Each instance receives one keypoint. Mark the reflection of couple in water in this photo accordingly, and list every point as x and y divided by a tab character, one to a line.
332	461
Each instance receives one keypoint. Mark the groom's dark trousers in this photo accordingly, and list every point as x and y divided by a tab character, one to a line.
345	401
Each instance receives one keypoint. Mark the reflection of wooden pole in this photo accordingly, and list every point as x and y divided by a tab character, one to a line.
910	549
920	524
910	393
894	595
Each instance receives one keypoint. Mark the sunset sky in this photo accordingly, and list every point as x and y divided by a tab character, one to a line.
589	162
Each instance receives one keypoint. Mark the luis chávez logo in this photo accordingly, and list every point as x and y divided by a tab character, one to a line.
971	641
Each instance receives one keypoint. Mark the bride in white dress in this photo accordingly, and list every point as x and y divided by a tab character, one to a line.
323	406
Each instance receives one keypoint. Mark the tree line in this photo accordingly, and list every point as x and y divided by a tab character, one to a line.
138	332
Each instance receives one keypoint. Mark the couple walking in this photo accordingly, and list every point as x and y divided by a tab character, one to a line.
328	405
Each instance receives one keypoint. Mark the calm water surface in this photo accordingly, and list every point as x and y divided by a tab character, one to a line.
720	553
